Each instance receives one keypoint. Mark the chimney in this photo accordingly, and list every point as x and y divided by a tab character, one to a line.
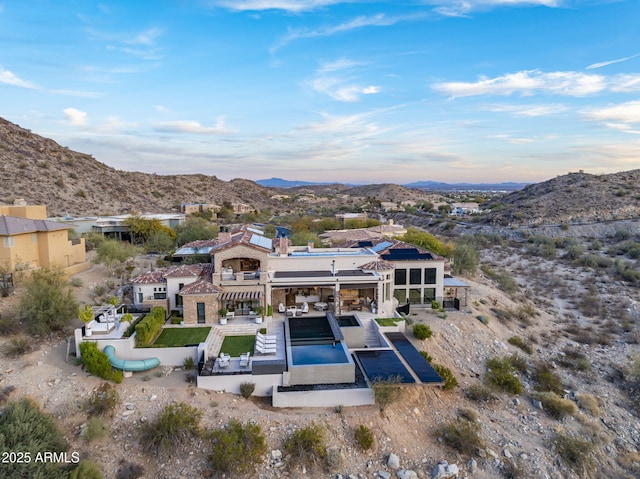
224	236
284	246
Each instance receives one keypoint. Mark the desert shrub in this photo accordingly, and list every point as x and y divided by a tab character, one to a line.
574	359
469	414
426	355
435	305
97	362
172	430
502	374
129	470
8	326
589	403
447	376
576	452
96	429
480	392
386	391
237	449
18	346
24	428
483	319
364	437
461	435
5	392
554	405
518	342
103	400
246	389
189	363
306	446
86	470
546	380
422	331
518	362
149	328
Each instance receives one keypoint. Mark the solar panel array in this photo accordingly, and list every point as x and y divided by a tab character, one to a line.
261	241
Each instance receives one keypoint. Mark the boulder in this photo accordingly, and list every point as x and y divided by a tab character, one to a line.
393	462
445	470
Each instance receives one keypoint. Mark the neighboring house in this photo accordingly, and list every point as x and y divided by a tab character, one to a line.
115	226
461	209
241	208
335	237
29	241
191	208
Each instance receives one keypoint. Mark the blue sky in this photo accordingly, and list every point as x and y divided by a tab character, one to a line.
330	90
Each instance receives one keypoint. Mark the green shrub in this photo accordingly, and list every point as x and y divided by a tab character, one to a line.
447	376
130	470
555	406
483	319
189	363
518	342
132	327
481	393
96	429
76	282
461	435
237	449
546	380
173	429
24	428
518	362
469	414
18	346
364	437
97	362
103	400
149	328
86	470
306	446
426	355
435	305
422	331
386	391
502	375
246	389
574	451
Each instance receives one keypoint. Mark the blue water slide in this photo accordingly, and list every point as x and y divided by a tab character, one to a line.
130	364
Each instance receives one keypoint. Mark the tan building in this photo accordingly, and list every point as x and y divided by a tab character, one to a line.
192	208
29	241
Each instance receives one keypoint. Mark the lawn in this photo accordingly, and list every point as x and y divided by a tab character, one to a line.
177	337
237	345
388	321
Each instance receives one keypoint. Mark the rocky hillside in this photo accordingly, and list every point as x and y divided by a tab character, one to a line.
43	172
572	198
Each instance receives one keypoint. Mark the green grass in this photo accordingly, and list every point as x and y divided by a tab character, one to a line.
237	345
177	337
388	321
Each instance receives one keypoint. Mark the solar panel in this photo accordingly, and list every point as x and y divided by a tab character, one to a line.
414	359
383	364
260	241
381	246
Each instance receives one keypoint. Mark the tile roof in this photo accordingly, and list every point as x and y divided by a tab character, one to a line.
246	236
201	287
13	225
185	270
378	265
150	277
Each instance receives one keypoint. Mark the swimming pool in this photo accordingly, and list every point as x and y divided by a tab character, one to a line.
316	352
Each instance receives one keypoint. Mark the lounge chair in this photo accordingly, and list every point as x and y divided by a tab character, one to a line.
305	307
262	349
244	360
281	308
266	338
224	360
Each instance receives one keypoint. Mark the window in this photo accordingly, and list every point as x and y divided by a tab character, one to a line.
430	276
200	308
178	300
414	296
400	295
400	276
140	297
9	241
159	295
387	291
415	276
429	294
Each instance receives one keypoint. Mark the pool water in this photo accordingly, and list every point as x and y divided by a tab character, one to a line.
347	320
310	329
318	354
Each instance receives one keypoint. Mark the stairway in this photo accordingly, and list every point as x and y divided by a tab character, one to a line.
372	338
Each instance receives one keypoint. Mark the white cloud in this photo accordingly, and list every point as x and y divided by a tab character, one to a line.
623	113
530	82
195	127
610	62
146	37
294	6
329	81
529	110
458	8
75	117
9	78
77	93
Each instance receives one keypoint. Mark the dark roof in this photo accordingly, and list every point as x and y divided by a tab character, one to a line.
13	225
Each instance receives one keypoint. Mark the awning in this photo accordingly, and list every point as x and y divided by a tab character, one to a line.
240	295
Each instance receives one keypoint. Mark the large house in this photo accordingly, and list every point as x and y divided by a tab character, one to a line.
248	271
29	241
